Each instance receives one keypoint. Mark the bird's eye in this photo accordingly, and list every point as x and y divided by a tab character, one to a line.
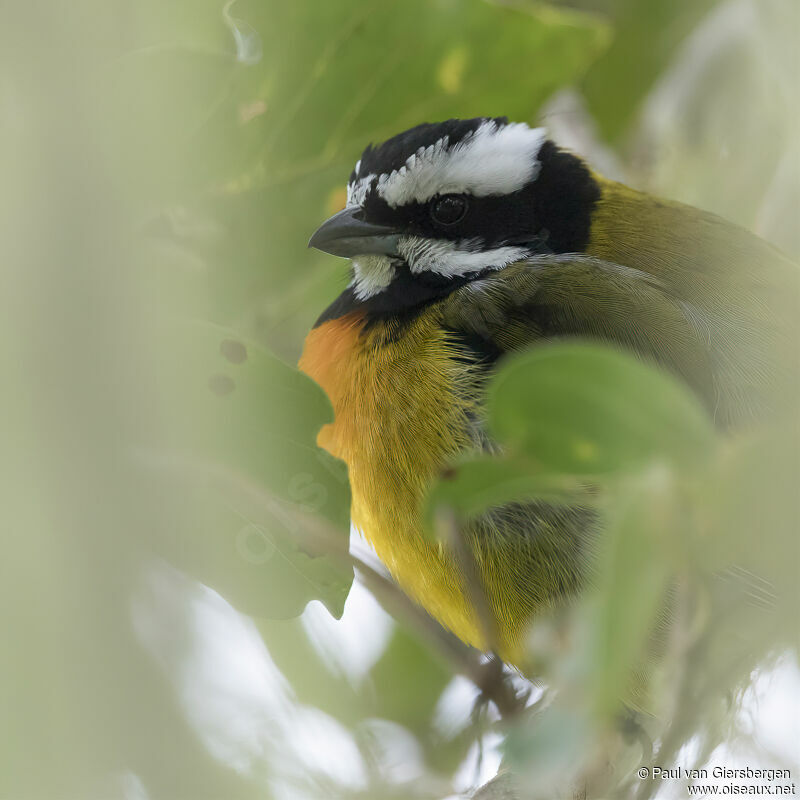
449	209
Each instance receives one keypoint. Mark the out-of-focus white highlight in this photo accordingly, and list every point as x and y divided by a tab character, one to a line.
394	750
231	692
454	707
132	787
350	645
318	743
774	700
766	732
480	765
768	725
243	709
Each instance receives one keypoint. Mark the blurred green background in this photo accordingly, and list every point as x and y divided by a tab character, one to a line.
163	165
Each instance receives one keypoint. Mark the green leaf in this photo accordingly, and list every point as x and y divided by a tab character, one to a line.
414	678
754	489
546	752
241	437
473	486
645	34
634	566
587	410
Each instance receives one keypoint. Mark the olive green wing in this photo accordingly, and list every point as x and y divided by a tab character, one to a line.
573	296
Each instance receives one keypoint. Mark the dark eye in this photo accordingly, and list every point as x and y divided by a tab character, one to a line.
449	209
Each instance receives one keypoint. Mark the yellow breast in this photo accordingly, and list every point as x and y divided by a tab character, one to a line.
401	407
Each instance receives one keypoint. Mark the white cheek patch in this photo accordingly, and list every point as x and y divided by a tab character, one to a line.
371	275
454	259
491	161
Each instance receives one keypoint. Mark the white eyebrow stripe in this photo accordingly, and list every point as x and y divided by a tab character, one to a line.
357	191
491	161
446	258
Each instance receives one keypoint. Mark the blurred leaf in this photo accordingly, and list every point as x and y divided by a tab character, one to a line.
408	680
267	144
586	410
242	122
472	486
324	106
242	431
313	679
634	567
645	34
753	489
545	752
692	132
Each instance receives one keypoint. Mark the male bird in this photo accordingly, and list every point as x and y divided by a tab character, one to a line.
473	238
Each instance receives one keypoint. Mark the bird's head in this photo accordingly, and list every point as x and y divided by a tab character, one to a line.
442	204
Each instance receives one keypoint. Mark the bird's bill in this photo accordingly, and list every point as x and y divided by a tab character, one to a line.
345	234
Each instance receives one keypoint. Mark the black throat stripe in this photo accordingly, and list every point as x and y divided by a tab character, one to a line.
406	295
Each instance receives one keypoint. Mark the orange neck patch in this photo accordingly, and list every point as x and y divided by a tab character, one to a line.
328	356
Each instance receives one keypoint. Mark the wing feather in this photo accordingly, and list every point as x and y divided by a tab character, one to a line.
727	357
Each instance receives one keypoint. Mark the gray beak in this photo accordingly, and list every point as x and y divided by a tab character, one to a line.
345	234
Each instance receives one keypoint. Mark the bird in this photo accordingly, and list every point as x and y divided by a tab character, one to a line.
469	240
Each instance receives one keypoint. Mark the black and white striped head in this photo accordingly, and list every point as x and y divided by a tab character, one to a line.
442	204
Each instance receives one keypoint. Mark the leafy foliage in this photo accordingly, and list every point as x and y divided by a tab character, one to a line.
165	162
586	410
240	419
683	604
267	147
